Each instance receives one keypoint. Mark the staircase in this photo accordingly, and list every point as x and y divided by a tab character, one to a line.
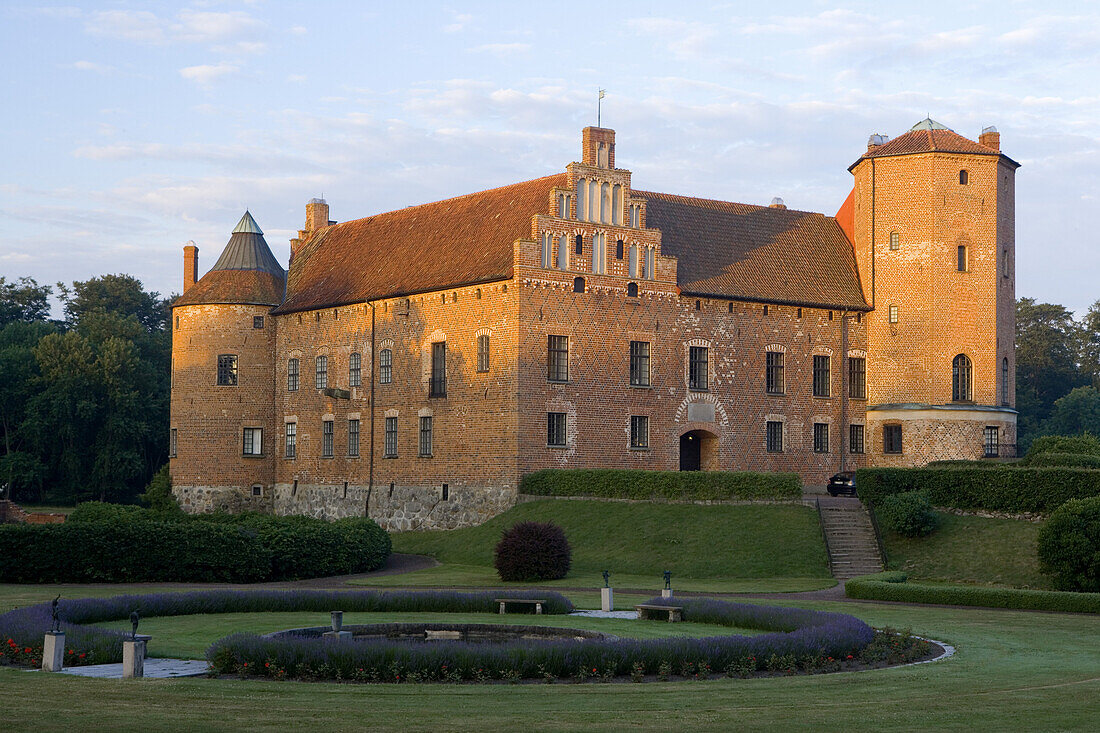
849	537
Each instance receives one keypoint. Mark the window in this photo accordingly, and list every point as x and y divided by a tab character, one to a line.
483	353
773	373
227	370
599	253
1004	381
253	442
578	285
821	437
355	370
857	377
775	436
1004	262
632	290
291	442
353	438
960	260
257	490
619	249
698	372
893	314
555	429
855	439
291	375
895	240
557	358
821	387
547	248
632	262
992	442
385	366
326	439
321	373
425	436
635	215
438	386
639	432
639	363
649	256
964	177
390	447
563	253
257	321
173	442
578	244
563	205
891	439
960	379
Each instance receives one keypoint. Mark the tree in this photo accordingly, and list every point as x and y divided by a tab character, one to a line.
20	470
23	300
1090	345
1077	412
1047	342
120	294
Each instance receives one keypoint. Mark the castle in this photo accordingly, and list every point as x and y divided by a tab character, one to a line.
414	365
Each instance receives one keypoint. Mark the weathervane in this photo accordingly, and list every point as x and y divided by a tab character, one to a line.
599	105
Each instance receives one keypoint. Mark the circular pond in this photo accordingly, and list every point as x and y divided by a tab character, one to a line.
438	632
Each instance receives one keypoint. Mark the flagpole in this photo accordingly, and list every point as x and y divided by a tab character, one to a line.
599	105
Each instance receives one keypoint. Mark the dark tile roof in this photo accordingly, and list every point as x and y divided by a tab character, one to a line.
928	141
459	241
235	286
756	253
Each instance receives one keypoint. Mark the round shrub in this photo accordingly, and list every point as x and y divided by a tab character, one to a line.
101	511
532	551
1069	545
910	514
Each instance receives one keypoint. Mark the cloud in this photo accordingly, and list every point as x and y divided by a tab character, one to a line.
296	78
458	23
502	49
234	30
299	30
91	66
206	73
129	25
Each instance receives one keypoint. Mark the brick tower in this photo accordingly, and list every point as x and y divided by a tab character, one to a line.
934	235
223	352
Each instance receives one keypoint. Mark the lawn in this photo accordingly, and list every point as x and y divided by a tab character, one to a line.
976	550
1013	670
642	539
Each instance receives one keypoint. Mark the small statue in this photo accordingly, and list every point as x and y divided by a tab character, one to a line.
134	618
56	627
606	579
668	580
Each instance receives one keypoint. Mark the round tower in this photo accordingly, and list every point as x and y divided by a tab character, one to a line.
223	356
934	230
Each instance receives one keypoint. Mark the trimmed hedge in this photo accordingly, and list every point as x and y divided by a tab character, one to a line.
648	485
909	514
1084	443
878	588
1069	460
1069	545
1006	489
121	545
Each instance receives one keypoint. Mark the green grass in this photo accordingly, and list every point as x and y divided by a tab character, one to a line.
973	550
642	539
188	637
1013	671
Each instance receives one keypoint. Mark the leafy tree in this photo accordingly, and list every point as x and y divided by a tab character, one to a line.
1077	412
1047	341
20	470
1090	345
121	294
23	300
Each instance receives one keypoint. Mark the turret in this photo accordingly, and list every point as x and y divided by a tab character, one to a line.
934	224
223	345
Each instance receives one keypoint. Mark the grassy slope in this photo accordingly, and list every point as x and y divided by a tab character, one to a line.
642	539
971	550
1013	671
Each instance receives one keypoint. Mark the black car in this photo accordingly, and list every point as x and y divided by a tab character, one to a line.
843	483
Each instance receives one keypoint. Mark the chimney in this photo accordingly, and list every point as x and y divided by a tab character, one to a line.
777	203
190	265
316	215
990	138
875	140
598	147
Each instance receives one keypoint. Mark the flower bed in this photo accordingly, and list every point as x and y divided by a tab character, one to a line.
23	628
800	640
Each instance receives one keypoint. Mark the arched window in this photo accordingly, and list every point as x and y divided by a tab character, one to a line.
632	290
579	244
964	177
649	254
895	240
619	249
582	199
578	285
563	252
960	379
547	247
632	262
617	204
599	253
1004	382
605	203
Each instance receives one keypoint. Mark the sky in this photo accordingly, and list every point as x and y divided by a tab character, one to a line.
130	128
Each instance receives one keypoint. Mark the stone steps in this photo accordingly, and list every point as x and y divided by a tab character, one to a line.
853	546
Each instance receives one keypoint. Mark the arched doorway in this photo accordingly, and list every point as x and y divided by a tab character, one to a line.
698	451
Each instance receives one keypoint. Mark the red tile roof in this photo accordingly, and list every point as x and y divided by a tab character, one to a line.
459	241
254	287
928	141
756	253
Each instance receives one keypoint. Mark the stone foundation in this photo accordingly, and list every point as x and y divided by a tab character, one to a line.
233	499
941	432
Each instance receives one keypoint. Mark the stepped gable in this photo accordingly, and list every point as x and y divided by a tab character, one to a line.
246	273
929	136
451	243
756	253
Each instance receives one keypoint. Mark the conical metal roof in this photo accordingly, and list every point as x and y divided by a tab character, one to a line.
247	225
247	250
926	124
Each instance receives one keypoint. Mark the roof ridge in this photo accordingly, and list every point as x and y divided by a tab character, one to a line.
721	201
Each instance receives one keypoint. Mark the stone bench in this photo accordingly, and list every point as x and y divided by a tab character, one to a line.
646	611
536	602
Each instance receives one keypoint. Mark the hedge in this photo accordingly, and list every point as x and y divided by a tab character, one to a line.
1069	460
878	588
647	485
1083	443
243	549
1006	489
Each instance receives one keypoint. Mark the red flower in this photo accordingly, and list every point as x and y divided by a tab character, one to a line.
81	656
267	664
849	656
27	650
